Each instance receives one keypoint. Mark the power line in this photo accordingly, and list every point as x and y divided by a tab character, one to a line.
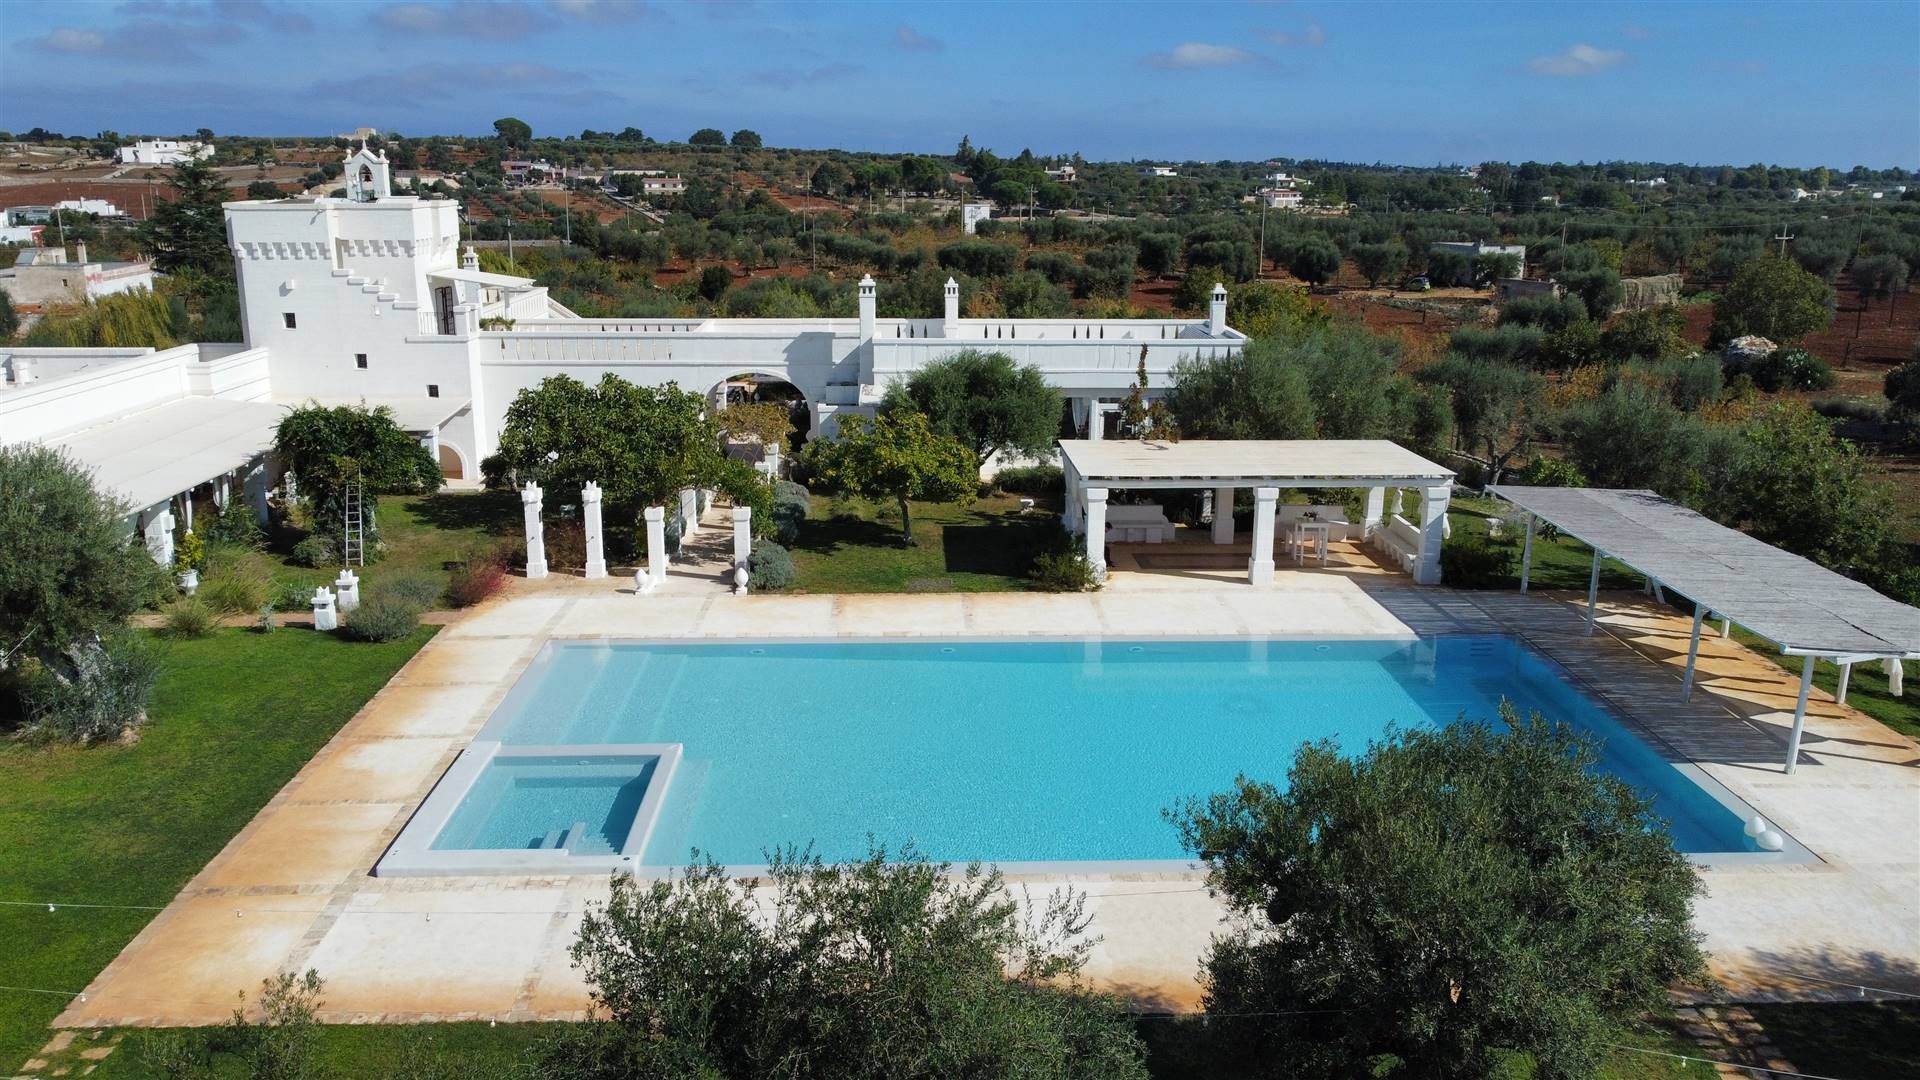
1717	1061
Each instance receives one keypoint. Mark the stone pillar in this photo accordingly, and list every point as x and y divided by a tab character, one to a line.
186	509
1376	511
1096	420
1097	532
869	307
1266	505
324	617
656	546
689	513
1433	527
222	490
1223	515
742	546
596	541
348	587
536	531
159	534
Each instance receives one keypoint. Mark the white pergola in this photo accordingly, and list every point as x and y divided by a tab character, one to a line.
1803	608
1095	467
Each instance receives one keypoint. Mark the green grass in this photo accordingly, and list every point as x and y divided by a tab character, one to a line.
1559	562
1860	1041
854	546
470	1051
233	718
1866	688
423	534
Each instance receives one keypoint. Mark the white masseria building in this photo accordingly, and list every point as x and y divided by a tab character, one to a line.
369	299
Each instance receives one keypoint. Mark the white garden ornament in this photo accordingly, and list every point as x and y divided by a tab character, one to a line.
348	587
596	542
530	497
324	616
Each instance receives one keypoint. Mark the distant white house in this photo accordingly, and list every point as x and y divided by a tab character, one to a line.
1286	180
1064	174
1474	249
1158	170
163	152
972	214
663	185
1279	198
16	229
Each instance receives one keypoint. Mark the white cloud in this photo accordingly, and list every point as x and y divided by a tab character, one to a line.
1312	37
1582	59
604	11
914	41
69	40
1199	54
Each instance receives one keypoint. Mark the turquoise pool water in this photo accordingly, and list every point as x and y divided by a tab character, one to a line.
1018	751
529	803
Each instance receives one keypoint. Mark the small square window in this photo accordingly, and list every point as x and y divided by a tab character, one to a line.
360	360
288	316
433	389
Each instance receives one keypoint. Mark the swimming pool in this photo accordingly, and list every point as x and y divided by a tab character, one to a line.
1024	753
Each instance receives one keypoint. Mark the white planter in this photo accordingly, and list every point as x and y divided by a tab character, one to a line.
189	581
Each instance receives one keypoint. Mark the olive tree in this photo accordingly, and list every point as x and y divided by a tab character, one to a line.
1423	910
1496	406
1774	298
896	455
985	400
897	968
327	450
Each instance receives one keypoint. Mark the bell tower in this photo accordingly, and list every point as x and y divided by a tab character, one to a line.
367	175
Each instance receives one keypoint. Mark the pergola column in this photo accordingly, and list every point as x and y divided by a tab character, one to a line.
1593	590
1097	532
1223	515
1266	503
1376	511
1433	526
1070	517
1693	651
1799	714
1526	556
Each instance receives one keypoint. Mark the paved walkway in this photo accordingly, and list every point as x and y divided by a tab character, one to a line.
292	889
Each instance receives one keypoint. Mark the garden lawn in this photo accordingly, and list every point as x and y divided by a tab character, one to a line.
424	534
1558	563
233	717
853	546
1857	1040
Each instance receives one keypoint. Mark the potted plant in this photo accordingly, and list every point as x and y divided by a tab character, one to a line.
187	559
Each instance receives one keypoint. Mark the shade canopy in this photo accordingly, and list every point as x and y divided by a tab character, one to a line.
1800	606
1134	463
150	456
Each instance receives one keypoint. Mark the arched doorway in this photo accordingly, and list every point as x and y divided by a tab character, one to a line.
758	387
452	465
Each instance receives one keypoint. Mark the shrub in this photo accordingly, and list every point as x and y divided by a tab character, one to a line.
1063	571
382	617
289	595
479	575
566	545
316	551
107	695
190	553
769	568
190	618
236	525
790	504
1553	472
1788	369
235	592
1902	387
1031	480
421	590
263	619
1473	562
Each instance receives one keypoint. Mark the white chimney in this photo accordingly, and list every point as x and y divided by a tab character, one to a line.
869	307
22	369
952	314
1217	311
472	259
80	252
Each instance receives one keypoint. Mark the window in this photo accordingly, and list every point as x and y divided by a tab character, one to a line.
433	389
360	360
288	317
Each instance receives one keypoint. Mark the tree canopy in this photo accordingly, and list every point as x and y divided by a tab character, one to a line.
707	137
513	131
985	401
68	573
189	230
326	449
1774	298
899	969
746	139
1423	909
896	455
641	444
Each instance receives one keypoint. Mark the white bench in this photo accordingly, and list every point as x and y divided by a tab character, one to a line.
1138	523
1400	542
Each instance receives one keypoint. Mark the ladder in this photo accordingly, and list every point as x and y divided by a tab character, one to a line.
353	543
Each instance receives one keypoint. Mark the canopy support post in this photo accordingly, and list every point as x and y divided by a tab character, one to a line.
1526	556
1693	652
1840	691
1593	591
1799	715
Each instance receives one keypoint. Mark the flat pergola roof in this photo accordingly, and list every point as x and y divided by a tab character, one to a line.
1249	463
1799	605
151	456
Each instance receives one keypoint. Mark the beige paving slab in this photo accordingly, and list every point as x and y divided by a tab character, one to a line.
476	660
374	770
517	617
295	844
942	615
1172	614
766	616
628	616
433	953
1025	615
190	965
425	710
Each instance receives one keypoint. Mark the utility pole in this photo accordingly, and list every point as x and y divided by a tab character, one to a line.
509	237
1784	238
1260	260
566	207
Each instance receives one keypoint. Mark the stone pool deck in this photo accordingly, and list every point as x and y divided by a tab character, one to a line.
292	890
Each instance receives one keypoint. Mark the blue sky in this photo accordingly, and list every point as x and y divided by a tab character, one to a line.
1794	83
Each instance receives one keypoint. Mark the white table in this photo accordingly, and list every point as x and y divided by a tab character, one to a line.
1317	531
